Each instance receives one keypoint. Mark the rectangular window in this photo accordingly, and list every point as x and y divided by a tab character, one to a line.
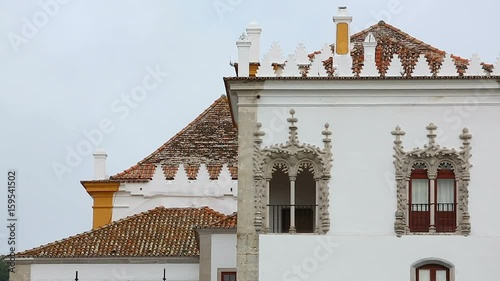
419	200
228	276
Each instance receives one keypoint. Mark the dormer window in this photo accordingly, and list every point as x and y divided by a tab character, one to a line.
432	186
292	184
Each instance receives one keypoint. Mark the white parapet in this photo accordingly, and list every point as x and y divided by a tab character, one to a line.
474	68
448	67
291	68
343	65
422	68
301	55
275	54
317	68
395	68
266	69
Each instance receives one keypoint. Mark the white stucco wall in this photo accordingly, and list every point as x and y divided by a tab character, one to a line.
220	194
223	253
362	187
95	272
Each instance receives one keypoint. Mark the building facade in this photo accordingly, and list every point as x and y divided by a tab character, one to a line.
372	159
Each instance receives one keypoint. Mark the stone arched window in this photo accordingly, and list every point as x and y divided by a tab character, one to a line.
432	269
291	184
432	186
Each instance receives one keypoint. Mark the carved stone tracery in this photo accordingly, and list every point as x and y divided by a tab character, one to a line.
292	157
432	157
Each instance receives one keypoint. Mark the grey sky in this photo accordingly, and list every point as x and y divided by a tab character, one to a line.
70	75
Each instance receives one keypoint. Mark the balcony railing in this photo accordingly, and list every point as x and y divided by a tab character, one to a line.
444	217
279	218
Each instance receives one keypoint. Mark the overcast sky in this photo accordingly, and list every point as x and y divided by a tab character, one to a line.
66	68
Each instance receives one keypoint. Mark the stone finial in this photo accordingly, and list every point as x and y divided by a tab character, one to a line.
448	67
266	69
474	68
326	133
465	137
432	134
243	38
422	68
301	55
293	139
343	66
258	133
398	133
395	69
291	67
275	54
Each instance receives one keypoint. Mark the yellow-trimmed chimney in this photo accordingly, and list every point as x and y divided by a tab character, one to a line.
343	39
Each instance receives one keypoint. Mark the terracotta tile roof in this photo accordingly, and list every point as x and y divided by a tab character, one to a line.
210	139
227	222
160	232
394	43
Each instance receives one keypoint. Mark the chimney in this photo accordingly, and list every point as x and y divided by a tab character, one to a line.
343	41
254	31
100	165
243	45
369	45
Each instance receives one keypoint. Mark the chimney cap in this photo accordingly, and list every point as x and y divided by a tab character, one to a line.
342	10
100	152
253	25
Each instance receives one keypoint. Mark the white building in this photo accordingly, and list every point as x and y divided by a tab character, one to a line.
370	160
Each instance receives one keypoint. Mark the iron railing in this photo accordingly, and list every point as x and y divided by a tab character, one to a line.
279	218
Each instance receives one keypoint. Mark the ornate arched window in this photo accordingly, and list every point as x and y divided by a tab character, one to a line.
291	184
432	186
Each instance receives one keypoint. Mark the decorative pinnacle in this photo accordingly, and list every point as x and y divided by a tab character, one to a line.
326	133
398	133
243	37
258	134
292	119
431	135
293	129
465	136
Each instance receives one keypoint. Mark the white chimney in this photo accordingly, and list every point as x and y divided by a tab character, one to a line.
369	45
100	165
254	31
343	39
243	45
